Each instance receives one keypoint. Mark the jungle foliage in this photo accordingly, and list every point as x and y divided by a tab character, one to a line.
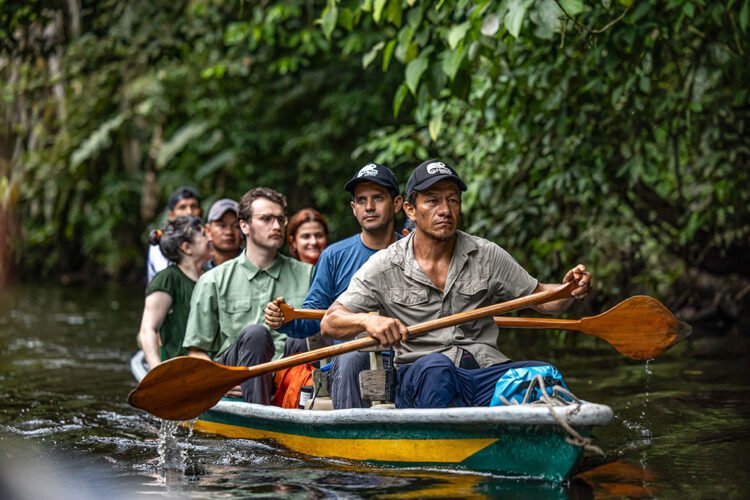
612	133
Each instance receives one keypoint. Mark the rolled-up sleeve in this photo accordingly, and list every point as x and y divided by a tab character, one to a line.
510	279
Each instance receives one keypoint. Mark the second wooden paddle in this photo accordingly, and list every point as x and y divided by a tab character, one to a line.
640	327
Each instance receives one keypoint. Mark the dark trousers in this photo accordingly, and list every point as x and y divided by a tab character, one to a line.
253	347
343	380
433	381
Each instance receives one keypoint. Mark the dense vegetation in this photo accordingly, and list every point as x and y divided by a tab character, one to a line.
612	133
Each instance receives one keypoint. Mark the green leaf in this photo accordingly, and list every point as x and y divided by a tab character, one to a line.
436	123
457	33
394	13
97	141
688	9
387	54
398	99
328	20
214	164
346	19
514	18
377	9
745	15
372	54
178	141
452	61
414	71
572	7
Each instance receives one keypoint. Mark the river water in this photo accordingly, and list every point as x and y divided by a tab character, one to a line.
681	427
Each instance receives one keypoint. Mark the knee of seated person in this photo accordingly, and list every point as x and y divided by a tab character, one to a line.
434	360
254	333
353	361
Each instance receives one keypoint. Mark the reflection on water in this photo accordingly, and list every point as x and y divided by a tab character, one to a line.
64	378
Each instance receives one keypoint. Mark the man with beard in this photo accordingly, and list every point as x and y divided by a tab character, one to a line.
435	272
226	310
375	202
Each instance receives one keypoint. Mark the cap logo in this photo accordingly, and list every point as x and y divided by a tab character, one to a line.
368	170
438	167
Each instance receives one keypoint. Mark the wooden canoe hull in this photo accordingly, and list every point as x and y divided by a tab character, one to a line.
518	441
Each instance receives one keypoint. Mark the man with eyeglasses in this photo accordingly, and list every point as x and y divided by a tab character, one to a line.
226	309
375	202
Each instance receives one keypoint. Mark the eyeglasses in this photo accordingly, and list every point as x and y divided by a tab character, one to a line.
267	219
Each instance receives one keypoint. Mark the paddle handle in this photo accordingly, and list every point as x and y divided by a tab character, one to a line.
559	292
551	323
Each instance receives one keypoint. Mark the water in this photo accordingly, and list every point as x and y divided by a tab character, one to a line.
681	427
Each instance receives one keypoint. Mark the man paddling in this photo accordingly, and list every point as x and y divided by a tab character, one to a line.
434	272
375	202
226	310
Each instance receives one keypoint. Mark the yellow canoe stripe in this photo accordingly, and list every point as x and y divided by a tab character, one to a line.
385	450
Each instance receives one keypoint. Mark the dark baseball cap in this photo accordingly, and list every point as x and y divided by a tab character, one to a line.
377	173
428	173
182	193
220	207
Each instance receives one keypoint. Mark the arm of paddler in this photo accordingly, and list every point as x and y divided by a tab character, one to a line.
578	274
342	324
155	311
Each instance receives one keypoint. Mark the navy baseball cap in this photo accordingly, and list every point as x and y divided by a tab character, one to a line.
428	173
377	173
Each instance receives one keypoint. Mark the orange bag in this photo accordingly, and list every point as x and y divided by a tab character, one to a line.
288	384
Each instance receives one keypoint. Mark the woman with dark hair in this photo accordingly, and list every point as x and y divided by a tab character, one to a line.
184	242
307	235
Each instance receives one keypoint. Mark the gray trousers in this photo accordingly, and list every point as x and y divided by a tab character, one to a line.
343	380
253	347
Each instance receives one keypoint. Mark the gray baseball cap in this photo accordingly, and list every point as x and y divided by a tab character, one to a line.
220	207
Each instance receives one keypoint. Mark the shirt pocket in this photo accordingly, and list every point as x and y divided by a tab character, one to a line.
235	306
407	297
470	294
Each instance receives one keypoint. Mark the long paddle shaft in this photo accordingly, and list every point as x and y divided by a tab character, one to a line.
640	327
182	388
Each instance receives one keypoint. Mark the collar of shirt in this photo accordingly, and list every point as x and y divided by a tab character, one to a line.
404	258
251	270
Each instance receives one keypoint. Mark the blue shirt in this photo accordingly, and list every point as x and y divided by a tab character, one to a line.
333	272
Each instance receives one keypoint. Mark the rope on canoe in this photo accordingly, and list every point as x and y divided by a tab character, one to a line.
560	397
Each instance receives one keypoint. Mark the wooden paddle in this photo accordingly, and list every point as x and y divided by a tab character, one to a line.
640	327
182	388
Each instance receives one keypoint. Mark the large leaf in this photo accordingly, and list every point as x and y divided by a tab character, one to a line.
414	71
97	141
515	15
181	138
572	7
457	34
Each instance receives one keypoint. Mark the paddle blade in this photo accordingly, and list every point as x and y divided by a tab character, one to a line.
640	327
182	388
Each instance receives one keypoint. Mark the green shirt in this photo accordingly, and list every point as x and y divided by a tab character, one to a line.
177	285
233	296
480	274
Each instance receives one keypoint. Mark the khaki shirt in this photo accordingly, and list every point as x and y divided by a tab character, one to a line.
480	274
234	295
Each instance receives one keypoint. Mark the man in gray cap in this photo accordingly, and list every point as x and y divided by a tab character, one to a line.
223	230
437	271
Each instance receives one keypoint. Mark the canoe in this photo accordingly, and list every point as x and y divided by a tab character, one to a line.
518	441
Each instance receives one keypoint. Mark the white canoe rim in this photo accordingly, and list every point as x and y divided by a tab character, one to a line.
578	415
